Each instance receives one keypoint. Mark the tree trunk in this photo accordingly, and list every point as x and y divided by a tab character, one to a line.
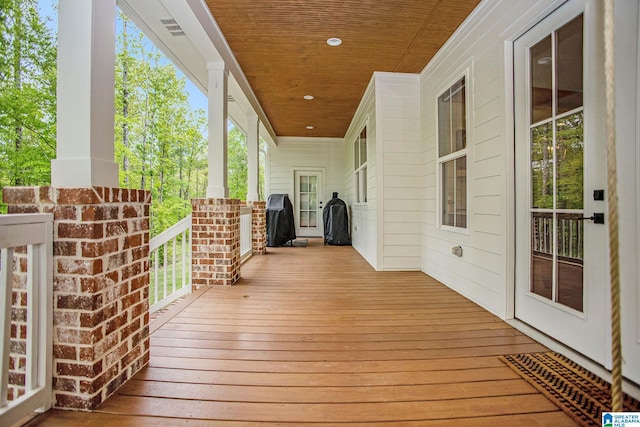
125	112
19	32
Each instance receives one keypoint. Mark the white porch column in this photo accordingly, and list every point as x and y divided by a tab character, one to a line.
217	97
86	68
253	153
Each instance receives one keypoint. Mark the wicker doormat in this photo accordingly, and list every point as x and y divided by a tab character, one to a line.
578	392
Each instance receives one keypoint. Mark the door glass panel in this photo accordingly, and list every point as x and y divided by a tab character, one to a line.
557	163
569	66
304	202
542	254
542	167
541	63
570	162
308	201
570	256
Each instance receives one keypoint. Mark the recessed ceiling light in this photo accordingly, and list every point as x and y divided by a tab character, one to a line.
334	41
308	97
309	127
545	60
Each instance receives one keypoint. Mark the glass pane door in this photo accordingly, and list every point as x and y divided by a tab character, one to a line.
308	203
561	273
556	153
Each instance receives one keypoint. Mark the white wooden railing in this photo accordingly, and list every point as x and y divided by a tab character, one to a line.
35	231
569	236
170	264
245	233
170	259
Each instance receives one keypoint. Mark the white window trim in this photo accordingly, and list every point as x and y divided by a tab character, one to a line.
466	73
362	168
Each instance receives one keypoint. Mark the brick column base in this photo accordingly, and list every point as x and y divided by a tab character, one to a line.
215	253
258	227
101	286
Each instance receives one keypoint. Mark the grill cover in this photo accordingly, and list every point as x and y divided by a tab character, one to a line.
280	225
336	222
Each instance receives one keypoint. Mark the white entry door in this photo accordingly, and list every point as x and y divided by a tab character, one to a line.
562	286
308	203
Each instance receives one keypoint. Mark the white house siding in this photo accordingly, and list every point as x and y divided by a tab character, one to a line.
363	217
479	48
400	189
386	230
323	154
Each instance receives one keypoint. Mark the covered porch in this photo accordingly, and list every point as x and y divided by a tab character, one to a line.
321	334
315	335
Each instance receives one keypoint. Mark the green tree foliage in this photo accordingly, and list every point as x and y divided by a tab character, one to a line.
160	141
542	166
27	95
237	164
570	158
557	165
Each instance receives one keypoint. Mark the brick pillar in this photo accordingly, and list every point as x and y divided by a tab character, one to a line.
258	227
215	242
101	286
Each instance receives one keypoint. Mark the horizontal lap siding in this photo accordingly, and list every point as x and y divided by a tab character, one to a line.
292	153
398	111
479	46
363	217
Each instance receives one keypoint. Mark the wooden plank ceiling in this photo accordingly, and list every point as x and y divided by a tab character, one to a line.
282	48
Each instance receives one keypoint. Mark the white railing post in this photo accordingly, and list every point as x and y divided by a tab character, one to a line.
184	257
166	240
156	271
5	315
35	231
246	246
164	269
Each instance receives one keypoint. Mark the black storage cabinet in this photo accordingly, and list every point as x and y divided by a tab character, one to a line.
335	219
280	224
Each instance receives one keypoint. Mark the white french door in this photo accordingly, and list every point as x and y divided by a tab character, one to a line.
561	239
308	203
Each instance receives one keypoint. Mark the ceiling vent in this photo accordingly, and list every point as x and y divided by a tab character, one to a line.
172	26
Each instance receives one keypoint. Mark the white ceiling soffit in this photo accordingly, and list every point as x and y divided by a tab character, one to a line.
202	42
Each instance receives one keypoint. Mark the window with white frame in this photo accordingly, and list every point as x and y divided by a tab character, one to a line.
452	155
360	167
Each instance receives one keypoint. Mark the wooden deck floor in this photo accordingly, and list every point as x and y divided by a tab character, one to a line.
315	336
